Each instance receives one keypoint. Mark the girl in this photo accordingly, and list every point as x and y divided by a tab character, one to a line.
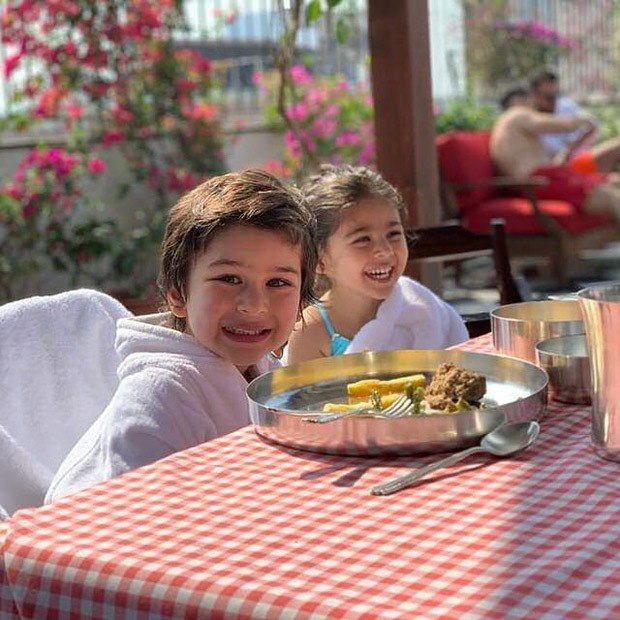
238	262
367	303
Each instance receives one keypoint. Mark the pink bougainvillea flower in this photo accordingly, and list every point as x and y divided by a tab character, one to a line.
29	210
323	127
351	138
74	111
95	166
11	63
203	111
300	75
277	168
121	114
113	136
298	111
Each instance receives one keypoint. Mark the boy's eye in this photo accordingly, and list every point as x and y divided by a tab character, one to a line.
363	239
229	279
394	234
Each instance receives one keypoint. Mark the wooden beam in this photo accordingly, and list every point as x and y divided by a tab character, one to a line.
403	103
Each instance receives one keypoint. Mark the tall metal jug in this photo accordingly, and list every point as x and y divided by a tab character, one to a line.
600	306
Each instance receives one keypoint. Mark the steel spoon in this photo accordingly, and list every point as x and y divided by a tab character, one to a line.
502	441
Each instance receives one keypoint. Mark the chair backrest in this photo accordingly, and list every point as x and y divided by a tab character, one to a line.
58	368
453	242
464	158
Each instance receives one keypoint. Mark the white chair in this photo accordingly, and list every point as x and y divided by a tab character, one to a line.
57	373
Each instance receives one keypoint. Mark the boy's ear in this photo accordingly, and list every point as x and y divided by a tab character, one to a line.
176	303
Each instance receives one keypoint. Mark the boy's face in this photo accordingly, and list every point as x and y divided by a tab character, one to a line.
368	251
243	294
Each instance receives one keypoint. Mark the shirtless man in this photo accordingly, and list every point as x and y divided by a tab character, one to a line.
580	148
544	90
517	150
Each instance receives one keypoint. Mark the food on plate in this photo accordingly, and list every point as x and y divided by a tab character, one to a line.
451	385
386	401
450	389
365	387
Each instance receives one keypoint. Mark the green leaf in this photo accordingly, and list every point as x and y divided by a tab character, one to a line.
313	11
342	31
333	3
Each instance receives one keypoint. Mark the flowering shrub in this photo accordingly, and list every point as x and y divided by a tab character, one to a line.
506	53
38	225
332	121
111	74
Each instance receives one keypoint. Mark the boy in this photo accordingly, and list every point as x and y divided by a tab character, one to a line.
237	266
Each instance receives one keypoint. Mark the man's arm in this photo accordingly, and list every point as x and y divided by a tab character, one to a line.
564	145
572	146
541	122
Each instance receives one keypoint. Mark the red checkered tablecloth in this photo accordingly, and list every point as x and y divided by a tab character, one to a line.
239	528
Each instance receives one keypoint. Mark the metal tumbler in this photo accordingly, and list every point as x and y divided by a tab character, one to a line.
600	305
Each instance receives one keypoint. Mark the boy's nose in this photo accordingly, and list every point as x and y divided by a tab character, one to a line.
252	301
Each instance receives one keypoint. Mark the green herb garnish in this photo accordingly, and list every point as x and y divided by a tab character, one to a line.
375	399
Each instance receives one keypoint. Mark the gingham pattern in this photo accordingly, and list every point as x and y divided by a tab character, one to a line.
238	528
7	606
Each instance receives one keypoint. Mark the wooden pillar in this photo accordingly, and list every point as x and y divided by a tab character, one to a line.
402	93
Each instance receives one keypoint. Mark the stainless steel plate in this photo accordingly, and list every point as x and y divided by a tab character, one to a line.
516	390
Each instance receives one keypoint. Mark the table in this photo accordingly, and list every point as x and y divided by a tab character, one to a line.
240	528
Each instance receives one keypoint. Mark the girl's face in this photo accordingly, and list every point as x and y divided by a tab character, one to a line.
368	252
243	294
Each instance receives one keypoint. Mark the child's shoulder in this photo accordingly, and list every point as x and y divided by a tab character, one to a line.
309	338
311	323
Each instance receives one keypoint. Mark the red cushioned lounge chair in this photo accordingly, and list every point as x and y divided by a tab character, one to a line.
476	194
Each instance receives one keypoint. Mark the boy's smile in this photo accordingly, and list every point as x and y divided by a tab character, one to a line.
243	294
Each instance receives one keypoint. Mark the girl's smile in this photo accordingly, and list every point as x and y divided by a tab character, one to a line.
367	253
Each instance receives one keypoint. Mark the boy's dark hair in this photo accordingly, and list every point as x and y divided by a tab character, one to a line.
251	198
506	100
542	78
336	188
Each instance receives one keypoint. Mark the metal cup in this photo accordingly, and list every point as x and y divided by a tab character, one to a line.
600	306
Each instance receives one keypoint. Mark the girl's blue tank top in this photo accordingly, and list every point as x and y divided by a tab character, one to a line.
339	343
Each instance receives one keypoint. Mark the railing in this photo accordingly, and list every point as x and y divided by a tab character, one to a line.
590	73
243	40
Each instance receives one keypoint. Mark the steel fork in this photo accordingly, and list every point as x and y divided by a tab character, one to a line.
401	407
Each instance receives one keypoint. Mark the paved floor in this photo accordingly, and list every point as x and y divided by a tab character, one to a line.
476	292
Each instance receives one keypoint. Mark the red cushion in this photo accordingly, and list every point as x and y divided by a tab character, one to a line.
518	214
464	158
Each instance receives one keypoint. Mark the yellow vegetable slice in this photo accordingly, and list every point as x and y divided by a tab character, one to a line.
386	401
388	386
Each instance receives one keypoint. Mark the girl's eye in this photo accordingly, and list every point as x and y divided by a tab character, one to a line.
361	240
395	234
278	282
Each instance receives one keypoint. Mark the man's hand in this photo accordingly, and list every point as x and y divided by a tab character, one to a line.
589	128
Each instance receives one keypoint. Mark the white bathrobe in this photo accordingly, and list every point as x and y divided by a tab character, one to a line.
173	394
412	317
57	374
